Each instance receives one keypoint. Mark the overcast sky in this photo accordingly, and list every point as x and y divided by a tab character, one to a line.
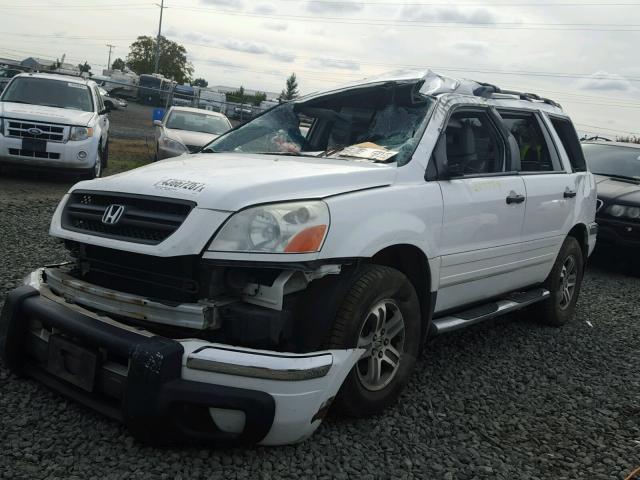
583	55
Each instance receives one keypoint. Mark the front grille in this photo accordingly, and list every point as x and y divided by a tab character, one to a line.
32	154
148	220
20	129
193	148
172	279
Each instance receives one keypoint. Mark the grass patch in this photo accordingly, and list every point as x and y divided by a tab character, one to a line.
128	154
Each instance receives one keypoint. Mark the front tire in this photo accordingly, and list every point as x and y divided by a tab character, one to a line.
96	170
381	314
563	283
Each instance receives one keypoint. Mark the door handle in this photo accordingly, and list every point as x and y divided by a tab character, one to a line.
515	198
569	193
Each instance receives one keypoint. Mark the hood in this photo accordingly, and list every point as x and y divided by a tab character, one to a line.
610	189
231	181
187	137
38	113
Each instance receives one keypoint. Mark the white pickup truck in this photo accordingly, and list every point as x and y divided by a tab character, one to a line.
54	121
235	295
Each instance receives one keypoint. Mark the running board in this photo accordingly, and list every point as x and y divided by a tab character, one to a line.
510	303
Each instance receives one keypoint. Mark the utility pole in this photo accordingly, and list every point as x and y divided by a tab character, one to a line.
109	61
162	7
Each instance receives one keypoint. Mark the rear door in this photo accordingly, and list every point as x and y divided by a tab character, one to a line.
550	189
484	206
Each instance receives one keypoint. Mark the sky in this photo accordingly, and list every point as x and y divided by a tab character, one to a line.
581	53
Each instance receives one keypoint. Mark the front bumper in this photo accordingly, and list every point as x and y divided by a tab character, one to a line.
165	390
618	233
59	155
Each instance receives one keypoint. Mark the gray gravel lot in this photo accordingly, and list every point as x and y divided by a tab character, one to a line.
506	400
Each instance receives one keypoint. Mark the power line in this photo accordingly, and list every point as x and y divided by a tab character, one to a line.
427	24
449	4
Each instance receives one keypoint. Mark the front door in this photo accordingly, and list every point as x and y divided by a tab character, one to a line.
484	208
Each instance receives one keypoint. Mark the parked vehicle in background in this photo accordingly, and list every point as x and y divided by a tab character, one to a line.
54	121
210	100
154	90
187	130
616	166
112	103
183	96
7	74
237	294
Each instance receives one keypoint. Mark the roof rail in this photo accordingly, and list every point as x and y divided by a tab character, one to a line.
487	90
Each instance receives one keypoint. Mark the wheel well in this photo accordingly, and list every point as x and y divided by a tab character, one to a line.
579	232
411	261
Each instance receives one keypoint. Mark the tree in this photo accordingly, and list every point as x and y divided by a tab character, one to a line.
259	97
173	58
291	91
84	67
118	64
200	82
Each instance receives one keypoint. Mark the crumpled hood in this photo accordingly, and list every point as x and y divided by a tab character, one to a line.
611	189
231	181
197	139
40	113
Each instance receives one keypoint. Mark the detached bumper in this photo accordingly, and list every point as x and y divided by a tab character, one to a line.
164	390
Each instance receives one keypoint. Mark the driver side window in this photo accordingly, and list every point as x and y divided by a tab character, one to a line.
473	144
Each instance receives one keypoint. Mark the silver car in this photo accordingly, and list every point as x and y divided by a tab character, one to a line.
187	130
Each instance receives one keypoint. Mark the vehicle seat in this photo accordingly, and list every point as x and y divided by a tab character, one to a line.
462	150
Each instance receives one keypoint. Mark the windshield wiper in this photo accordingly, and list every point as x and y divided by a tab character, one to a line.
619	177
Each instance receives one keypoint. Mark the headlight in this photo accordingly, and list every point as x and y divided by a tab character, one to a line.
296	227
171	144
624	211
80	133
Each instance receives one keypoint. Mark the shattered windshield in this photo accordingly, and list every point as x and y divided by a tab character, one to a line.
383	123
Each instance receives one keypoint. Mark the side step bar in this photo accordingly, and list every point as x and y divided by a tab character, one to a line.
510	303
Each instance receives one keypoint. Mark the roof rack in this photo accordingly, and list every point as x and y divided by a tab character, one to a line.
487	90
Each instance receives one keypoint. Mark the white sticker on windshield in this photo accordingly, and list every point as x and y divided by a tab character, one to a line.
175	184
76	85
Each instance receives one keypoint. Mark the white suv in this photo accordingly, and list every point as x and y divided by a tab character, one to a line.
56	121
234	295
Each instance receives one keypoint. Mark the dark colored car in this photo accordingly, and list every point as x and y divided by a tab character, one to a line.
617	169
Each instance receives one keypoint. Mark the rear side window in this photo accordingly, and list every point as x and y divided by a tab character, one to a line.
474	146
569	138
534	150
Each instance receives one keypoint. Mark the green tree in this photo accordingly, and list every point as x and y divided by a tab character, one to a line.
200	82
84	67
118	64
259	97
173	58
291	90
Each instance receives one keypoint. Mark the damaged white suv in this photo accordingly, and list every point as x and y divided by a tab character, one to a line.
236	294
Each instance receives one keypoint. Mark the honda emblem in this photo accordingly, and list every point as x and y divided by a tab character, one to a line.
112	214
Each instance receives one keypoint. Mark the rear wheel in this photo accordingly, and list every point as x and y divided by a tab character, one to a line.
380	314
563	283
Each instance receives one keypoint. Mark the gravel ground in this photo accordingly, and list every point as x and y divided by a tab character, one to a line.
504	400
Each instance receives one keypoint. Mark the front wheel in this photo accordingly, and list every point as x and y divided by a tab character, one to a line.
381	315
563	283
96	170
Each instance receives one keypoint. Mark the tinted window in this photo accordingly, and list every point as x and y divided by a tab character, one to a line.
570	142
197	122
51	93
534	152
473	144
613	159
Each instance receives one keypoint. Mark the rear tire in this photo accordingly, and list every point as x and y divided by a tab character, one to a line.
105	156
380	313
564	283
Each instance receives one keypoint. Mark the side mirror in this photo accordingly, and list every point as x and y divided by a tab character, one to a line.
104	111
157	123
